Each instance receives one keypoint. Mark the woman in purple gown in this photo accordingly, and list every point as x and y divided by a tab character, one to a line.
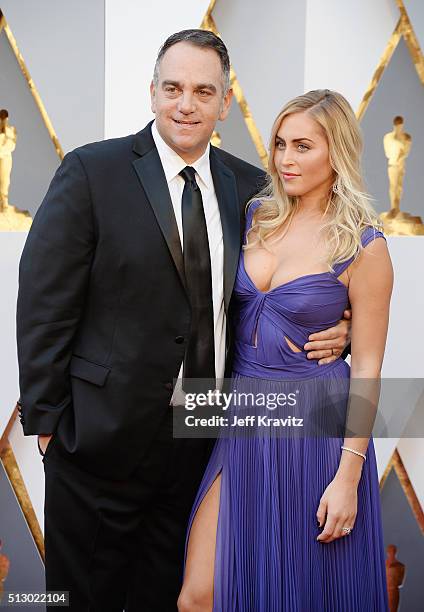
285	522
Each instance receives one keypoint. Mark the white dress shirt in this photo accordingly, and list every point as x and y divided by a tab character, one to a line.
172	165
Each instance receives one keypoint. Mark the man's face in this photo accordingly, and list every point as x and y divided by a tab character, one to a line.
188	99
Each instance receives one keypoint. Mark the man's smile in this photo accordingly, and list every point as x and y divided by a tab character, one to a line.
186	123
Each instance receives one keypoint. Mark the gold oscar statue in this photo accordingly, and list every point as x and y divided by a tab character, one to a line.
216	139
4	570
397	145
395	572
11	218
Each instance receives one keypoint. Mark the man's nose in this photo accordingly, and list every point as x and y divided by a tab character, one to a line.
186	103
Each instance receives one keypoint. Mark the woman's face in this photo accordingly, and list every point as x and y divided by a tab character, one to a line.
302	158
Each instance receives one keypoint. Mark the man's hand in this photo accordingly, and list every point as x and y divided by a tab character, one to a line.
43	441
329	344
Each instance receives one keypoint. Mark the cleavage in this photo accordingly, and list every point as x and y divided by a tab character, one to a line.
260	265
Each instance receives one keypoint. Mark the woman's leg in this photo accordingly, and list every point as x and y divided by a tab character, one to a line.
197	590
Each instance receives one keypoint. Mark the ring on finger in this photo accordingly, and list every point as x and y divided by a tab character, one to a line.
346	530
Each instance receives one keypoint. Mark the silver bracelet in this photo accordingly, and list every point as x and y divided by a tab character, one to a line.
364	457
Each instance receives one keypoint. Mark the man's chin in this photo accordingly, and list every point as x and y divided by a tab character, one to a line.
183	144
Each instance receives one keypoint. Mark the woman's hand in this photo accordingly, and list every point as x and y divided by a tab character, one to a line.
338	508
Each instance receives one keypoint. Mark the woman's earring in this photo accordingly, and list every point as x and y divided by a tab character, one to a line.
335	188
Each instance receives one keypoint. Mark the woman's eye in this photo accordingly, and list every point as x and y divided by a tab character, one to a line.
300	147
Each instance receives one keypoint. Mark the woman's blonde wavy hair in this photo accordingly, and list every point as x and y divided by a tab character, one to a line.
348	207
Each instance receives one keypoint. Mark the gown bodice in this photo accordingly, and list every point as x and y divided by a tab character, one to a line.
295	309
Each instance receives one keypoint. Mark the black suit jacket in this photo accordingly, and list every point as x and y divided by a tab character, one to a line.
103	315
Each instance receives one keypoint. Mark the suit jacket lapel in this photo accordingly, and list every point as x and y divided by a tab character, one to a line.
152	177
227	196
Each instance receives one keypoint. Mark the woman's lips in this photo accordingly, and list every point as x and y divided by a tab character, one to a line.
288	176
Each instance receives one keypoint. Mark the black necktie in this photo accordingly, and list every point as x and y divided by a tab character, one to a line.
199	360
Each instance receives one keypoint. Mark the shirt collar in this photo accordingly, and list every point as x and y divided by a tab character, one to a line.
173	164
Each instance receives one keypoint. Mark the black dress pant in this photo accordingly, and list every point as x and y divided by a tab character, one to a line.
118	545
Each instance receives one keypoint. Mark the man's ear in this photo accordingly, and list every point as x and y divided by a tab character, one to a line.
152	97
226	104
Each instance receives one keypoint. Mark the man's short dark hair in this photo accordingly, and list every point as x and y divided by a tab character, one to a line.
398	120
3	113
199	38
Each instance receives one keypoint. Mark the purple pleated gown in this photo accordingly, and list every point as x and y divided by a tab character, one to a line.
267	556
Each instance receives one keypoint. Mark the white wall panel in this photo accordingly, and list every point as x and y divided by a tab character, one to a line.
133	34
62	44
344	43
384	448
266	42
11	245
403	358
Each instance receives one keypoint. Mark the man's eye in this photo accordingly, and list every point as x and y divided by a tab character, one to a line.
203	92
170	89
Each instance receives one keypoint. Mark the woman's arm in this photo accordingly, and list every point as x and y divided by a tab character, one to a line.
370	289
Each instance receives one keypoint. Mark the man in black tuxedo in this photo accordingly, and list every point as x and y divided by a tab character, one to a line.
124	285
